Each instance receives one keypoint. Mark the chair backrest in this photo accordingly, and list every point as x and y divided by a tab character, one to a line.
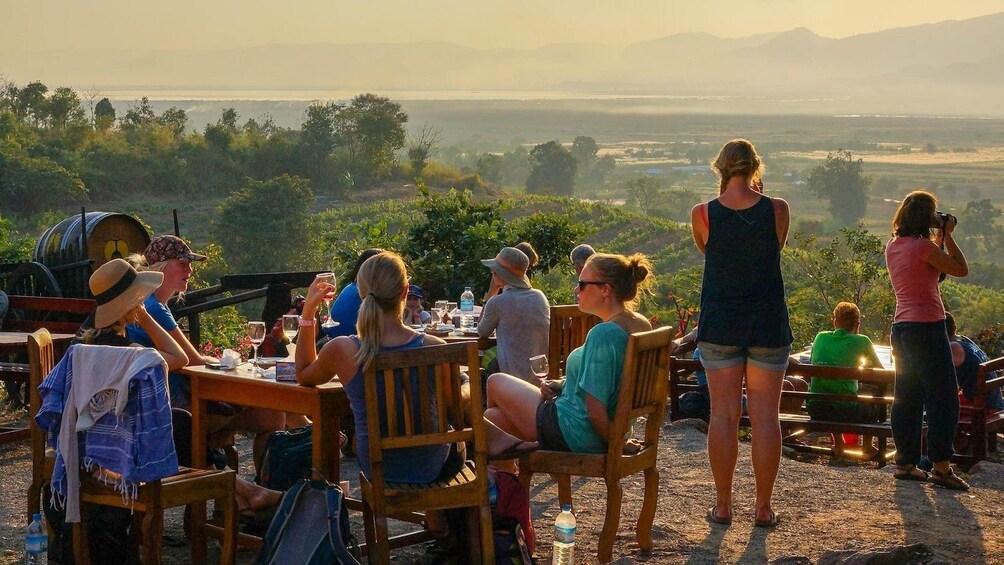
41	360
643	387
568	330
414	381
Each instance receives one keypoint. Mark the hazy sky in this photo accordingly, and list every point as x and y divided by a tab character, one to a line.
201	24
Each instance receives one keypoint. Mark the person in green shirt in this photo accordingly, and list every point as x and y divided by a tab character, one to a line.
843	347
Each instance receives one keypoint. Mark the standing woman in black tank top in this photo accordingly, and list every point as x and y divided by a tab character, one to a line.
743	330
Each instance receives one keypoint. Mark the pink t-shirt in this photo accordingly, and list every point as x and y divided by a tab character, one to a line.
914	280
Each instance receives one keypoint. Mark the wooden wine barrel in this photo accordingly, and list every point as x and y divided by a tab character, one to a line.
108	235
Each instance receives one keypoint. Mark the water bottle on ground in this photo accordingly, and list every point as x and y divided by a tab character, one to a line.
564	537
36	542
467	308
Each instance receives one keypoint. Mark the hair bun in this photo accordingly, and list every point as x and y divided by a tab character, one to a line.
639	272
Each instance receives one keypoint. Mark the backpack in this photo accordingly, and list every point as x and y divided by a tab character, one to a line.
310	527
510	543
513	504
287	458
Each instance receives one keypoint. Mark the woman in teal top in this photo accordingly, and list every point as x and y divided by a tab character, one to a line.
576	416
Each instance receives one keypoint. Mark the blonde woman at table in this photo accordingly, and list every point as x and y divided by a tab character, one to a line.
925	371
744	334
383	286
576	416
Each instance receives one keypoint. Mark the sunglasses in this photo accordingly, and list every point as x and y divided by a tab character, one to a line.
583	284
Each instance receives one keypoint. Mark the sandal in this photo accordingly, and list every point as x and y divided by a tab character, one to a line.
774	520
948	480
716	519
911	473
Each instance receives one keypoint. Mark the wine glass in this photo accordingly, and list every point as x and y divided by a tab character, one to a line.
256	333
440	310
290	325
329	321
538	364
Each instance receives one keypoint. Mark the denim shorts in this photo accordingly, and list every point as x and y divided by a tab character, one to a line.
714	356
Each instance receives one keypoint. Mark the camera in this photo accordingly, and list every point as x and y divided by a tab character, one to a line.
944	218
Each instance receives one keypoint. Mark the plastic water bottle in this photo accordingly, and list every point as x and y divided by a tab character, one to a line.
493	491
467	308
564	537
36	542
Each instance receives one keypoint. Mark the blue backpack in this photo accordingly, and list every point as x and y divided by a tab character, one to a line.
287	458
310	527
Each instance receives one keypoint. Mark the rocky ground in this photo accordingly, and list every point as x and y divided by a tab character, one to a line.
832	511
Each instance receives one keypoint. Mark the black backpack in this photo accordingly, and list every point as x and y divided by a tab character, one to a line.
287	458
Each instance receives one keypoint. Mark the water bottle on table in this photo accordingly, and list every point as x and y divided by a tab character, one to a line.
564	537
467	308
36	542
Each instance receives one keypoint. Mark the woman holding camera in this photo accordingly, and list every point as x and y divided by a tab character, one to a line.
921	249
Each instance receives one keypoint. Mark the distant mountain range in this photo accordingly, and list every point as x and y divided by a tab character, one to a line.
951	67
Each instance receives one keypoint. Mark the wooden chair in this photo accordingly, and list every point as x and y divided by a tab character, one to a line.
435	377
643	393
41	360
568	330
186	487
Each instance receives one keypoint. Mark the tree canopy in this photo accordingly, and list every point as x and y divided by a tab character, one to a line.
552	170
840	181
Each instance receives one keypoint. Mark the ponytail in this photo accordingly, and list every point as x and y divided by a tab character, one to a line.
368	327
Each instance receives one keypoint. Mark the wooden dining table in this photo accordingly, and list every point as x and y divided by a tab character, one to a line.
324	405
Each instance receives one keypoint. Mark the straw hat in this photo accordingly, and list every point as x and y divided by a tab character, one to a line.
118	288
510	265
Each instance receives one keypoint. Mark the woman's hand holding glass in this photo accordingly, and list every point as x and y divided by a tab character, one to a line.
538	364
329	277
319	292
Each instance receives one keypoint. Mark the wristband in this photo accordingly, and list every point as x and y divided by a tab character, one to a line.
305	322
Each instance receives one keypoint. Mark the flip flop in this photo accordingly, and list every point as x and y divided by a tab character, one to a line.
774	520
716	519
909	475
514	452
948	480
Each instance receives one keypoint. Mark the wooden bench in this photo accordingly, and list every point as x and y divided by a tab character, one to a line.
795	425
979	428
58	315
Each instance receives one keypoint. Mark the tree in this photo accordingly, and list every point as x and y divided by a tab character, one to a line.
104	114
840	181
422	147
489	168
279	211
980	217
371	129
31	102
643	192
175	119
584	149
552	170
63	107
139	116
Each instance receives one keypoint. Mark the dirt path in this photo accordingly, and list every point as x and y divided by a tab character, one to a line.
824	508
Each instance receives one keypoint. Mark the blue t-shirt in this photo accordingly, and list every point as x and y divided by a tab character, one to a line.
345	310
177	384
160	314
594	369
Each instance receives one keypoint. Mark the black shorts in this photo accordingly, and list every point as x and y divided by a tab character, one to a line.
548	431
